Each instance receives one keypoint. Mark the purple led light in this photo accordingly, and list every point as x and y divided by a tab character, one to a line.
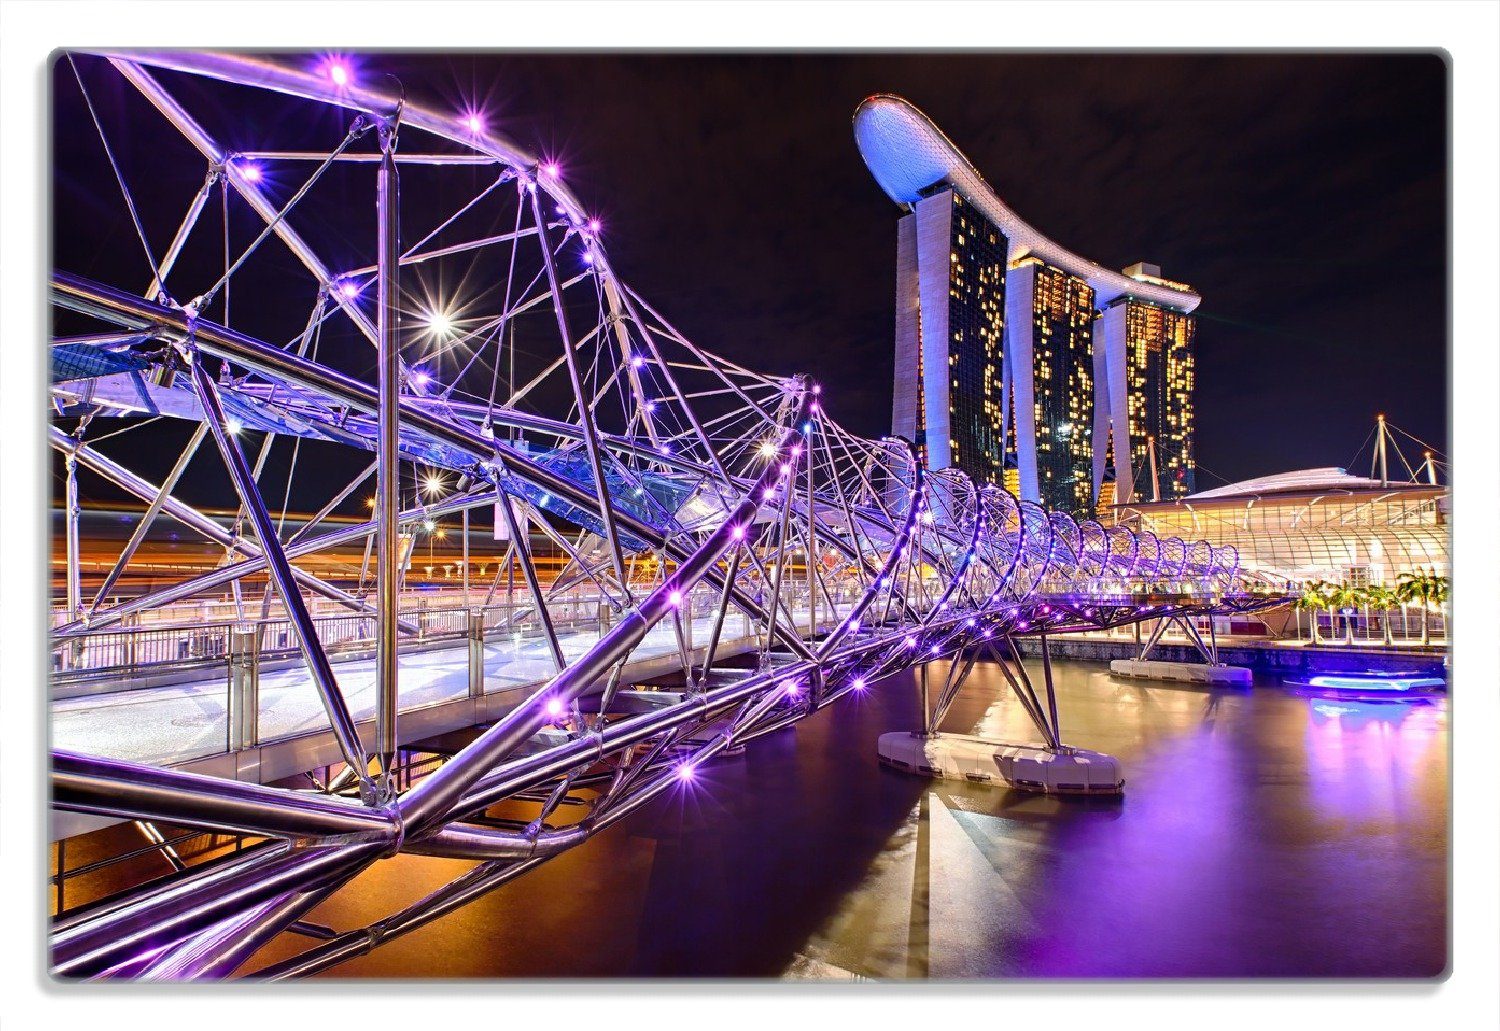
936	649
554	707
249	171
551	168
421	377
737	534
686	772
594	226
859	684
474	123
793	690
339	72
910	642
674	599
636	361
768	493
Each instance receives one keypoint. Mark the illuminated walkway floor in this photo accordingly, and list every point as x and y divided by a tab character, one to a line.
163	725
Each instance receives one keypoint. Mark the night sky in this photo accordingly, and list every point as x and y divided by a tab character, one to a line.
1304	196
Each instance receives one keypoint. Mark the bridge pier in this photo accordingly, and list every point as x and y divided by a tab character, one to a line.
1051	768
1210	671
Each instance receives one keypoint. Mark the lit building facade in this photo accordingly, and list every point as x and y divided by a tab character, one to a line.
1095	367
1049	379
1146	360
950	307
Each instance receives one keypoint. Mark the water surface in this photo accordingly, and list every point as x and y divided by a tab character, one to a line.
1261	834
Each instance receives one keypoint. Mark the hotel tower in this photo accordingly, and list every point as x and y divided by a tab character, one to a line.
1009	344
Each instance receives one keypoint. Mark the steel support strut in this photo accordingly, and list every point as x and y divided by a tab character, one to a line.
387	459
281	574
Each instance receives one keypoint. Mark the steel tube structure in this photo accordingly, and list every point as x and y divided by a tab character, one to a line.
387	454
105	787
282	576
664	468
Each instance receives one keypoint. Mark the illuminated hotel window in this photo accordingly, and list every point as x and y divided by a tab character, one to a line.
976	305
1062	376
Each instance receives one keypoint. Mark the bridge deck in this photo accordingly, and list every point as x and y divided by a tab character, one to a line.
186	724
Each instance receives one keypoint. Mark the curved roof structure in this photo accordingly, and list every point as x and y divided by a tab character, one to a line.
907	153
1324	479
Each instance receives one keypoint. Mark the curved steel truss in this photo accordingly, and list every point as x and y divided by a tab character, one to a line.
682	487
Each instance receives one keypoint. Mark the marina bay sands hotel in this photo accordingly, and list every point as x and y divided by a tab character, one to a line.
1018	361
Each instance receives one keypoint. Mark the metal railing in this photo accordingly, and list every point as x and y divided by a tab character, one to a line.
1371	627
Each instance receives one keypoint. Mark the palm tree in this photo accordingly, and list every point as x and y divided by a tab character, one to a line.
1413	589
1425	589
1383	599
1345	599
1311	602
1440	598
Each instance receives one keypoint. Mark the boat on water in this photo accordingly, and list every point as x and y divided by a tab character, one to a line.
1372	685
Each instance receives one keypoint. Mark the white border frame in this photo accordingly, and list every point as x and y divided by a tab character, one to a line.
30	29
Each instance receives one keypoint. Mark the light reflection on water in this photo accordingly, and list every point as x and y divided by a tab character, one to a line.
1261	834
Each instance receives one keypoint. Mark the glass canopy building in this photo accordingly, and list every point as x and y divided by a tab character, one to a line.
1008	343
1312	524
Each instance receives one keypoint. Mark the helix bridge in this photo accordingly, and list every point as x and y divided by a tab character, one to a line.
775	560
